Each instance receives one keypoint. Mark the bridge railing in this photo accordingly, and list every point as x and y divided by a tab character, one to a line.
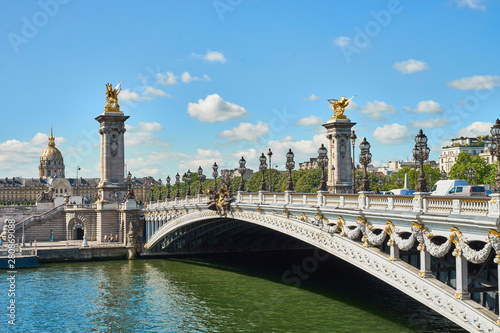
420	202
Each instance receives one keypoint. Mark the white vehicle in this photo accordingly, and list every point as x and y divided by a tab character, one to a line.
469	191
443	187
400	191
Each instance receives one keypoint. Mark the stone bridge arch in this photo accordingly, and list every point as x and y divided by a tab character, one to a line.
353	246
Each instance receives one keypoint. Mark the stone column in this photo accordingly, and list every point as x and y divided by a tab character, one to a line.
425	262
461	278
339	155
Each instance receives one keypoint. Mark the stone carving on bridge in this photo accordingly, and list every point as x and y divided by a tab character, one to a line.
220	201
46	196
130	191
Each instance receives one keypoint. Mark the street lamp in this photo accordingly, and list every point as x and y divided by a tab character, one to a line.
495	151
188	180
215	174
358	180
290	164
470	173
322	163
159	189
242	170
365	157
420	154
262	169
178	183
400	183
444	175
380	184
168	187
77	169
200	179
269	154
353	141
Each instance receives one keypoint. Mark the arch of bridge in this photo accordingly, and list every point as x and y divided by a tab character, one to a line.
322	233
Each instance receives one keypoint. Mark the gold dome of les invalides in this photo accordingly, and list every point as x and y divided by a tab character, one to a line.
51	161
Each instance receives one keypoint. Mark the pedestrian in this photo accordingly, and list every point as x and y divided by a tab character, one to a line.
31	243
35	242
105	238
110	239
116	238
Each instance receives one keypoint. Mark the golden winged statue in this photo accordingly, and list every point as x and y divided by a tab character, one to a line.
338	106
112	98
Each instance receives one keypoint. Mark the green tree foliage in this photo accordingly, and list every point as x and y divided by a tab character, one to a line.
484	173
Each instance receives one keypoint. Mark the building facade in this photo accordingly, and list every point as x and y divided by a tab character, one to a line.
470	146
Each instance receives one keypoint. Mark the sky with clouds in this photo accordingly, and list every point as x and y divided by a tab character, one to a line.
217	80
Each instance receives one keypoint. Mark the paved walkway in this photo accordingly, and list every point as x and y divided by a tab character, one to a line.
64	245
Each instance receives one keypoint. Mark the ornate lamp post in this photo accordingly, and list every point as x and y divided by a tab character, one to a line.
178	183
290	164
270	154
159	189
242	170
444	175
421	153
322	163
353	141
168	187
400	183
365	157
188	181
358	180
470	173
262	169
495	151
215	174
200	179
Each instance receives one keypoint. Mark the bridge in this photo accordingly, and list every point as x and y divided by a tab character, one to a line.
442	251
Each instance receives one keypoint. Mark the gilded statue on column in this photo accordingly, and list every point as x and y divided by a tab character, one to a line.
338	106
112	98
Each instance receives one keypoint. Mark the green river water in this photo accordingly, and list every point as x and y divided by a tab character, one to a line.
244	293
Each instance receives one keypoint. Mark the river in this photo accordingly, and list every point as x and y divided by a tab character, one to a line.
293	292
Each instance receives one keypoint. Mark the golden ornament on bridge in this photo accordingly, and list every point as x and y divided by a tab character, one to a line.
338	106
112	98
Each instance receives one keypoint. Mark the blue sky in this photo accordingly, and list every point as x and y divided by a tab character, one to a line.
211	81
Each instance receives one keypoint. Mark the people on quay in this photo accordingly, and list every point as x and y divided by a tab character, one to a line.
35	243
116	238
105	238
110	239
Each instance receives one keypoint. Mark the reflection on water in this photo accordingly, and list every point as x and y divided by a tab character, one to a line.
238	294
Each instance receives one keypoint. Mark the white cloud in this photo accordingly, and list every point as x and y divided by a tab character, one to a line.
127	95
475	129
310	121
204	158
429	123
477	82
167	80
213	109
142	135
342	40
246	131
410	66
186	77
426	107
472	4
19	159
393	134
42	139
150	127
214	56
377	109
149	93
310	98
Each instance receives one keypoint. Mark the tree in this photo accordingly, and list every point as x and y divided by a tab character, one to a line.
482	170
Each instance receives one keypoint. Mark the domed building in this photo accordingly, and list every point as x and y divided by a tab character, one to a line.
51	161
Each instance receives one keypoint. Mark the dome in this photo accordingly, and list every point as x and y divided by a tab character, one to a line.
51	153
51	161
